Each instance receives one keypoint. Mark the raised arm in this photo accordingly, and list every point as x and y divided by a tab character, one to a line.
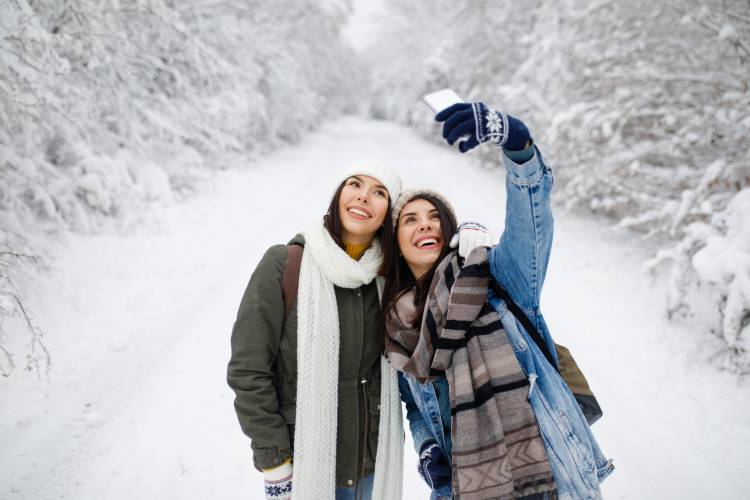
519	261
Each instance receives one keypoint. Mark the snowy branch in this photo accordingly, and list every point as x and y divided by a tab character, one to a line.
15	252
712	23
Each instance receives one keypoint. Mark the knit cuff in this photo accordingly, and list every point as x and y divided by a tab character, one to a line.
426	445
491	125
521	156
278	482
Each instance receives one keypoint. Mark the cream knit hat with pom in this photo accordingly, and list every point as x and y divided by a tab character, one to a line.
376	169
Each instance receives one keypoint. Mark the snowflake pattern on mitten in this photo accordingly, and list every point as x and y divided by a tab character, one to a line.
278	491
491	125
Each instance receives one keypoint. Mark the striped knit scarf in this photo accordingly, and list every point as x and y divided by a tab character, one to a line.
498	451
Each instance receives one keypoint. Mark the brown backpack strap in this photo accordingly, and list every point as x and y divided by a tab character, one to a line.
290	275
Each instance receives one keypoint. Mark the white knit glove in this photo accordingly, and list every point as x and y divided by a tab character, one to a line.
469	236
278	482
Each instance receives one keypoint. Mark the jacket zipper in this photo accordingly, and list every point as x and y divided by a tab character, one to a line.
358	490
365	445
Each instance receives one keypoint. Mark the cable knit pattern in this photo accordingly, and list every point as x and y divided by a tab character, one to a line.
389	463
325	264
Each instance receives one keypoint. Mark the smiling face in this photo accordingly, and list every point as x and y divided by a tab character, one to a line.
419	236
363	206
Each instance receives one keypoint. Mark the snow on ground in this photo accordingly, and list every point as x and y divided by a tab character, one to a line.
136	405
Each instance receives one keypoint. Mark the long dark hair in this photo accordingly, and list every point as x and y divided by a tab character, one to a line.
332	222
399	278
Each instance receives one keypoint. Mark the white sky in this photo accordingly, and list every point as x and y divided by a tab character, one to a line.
361	27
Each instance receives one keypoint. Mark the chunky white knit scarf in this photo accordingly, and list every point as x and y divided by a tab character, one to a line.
325	264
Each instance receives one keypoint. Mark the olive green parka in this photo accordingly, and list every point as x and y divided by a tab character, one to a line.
263	370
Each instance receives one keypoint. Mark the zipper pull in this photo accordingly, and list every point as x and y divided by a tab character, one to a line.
363	381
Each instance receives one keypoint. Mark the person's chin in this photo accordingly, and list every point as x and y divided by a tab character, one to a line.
429	260
434	255
359	229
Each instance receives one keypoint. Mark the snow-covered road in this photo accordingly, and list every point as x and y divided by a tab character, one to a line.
137	406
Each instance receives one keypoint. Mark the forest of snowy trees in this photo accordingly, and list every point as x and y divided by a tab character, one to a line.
109	106
643	108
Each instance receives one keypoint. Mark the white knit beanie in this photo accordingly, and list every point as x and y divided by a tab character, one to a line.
376	169
410	194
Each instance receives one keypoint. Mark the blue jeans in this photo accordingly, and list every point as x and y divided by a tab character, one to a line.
350	493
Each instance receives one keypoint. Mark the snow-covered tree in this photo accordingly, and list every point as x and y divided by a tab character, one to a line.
109	106
644	108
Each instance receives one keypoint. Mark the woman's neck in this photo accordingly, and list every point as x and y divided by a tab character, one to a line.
417	270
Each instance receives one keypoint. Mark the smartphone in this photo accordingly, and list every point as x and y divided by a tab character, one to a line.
438	101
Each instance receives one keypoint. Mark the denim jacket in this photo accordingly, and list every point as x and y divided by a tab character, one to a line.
519	264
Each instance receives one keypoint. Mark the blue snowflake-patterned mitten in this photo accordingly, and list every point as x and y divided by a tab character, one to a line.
482	124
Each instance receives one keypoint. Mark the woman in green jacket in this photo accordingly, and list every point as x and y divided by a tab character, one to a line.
313	391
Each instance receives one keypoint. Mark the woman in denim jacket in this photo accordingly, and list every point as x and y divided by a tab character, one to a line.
518	264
